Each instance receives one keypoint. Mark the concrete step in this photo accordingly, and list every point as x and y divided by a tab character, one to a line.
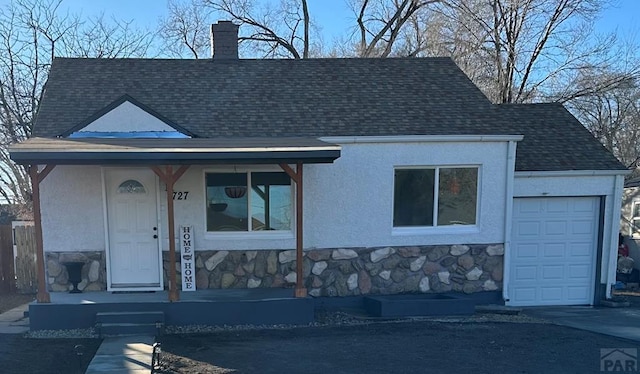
126	329
129	323
130	317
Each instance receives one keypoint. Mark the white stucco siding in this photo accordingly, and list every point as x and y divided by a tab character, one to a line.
607	186
350	203
72	209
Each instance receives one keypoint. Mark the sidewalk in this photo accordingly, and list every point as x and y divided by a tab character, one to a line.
13	321
126	354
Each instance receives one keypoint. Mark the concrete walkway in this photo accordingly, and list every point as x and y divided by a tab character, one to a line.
619	322
126	354
13	321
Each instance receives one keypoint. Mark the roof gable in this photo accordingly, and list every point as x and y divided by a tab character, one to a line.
126	117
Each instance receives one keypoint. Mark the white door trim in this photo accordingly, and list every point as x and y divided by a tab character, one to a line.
105	209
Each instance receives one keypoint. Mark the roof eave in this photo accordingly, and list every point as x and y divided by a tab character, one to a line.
175	158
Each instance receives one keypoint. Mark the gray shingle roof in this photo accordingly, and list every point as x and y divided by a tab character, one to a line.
554	139
317	97
314	98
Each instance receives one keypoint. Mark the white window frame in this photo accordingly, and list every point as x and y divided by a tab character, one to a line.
435	229
249	234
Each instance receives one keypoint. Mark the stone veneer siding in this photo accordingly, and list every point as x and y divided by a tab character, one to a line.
327	272
356	271
94	273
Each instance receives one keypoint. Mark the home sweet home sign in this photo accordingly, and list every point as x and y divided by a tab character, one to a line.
187	258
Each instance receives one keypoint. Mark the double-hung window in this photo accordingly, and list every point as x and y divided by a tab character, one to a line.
248	201
435	196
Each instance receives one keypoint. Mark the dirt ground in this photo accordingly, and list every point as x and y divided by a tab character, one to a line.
21	355
405	347
382	347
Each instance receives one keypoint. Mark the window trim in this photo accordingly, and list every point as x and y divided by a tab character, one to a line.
436	229
249	234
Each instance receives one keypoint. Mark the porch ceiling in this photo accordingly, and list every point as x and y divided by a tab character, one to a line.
99	151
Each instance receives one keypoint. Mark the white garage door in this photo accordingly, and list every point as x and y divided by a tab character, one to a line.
553	251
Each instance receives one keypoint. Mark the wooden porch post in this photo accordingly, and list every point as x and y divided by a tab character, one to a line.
300	290
36	178
170	178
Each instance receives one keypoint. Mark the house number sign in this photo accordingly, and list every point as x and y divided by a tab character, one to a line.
187	260
180	195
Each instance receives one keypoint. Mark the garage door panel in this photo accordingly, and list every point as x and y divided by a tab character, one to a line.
553	251
529	206
578	293
526	294
550	294
555	228
557	206
579	271
553	272
582	227
528	229
526	251
526	273
585	205
581	249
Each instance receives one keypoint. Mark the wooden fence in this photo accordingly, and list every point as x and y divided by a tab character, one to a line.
19	273
26	274
7	272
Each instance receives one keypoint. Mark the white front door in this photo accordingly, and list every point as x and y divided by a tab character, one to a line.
134	256
553	251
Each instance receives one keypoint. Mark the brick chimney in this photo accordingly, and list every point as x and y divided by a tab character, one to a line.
224	40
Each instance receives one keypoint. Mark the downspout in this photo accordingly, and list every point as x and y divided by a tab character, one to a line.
506	259
616	205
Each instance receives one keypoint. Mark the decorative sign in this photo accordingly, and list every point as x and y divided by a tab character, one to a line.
187	258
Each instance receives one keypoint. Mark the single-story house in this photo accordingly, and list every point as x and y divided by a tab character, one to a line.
335	177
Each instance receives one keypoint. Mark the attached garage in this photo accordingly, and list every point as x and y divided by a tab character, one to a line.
554	251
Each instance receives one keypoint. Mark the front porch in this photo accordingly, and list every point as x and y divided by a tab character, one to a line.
264	306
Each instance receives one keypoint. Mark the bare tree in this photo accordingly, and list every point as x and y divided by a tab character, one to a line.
537	47
186	28
32	32
613	116
382	24
284	30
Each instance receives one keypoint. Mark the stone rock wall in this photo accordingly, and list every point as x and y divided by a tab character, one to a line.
355	271
327	272
94	273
